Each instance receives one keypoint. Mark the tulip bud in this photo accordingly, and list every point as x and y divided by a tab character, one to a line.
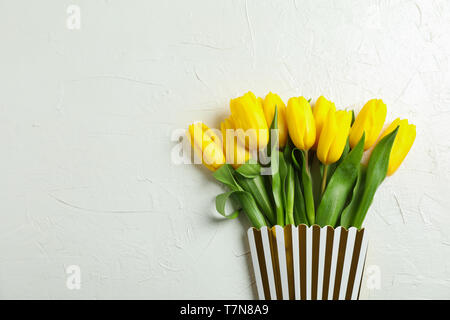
247	114
272	100
207	145
260	102
301	125
235	153
334	136
369	120
402	144
320	112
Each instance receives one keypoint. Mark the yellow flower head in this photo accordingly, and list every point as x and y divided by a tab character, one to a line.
320	112
247	114
272	100
235	152
207	145
301	124
334	135
369	120
402	144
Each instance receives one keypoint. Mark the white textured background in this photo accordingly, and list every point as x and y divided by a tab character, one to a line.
86	118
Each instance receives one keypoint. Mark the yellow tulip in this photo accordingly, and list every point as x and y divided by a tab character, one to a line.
260	102
402	144
301	125
334	135
235	153
320	112
272	100
207	145
369	120
247	114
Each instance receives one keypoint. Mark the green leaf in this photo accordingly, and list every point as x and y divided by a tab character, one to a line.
249	170
297	164
349	212
277	186
221	201
283	171
287	152
339	187
299	203
333	166
248	204
306	183
316	170
278	171
256	187
225	175
284	162
273	126
376	172
290	192
251	209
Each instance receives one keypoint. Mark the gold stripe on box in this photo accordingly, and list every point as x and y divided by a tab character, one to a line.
289	260
362	275
354	265
262	262
340	263
327	266
302	257
275	262
269	255
315	261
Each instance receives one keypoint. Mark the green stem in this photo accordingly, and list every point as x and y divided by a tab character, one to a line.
324	178
251	209
307	160
290	194
277	186
257	189
307	189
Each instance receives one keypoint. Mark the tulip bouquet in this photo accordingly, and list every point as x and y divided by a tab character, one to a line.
301	165
297	173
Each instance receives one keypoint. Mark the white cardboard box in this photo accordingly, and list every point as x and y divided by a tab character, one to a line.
308	263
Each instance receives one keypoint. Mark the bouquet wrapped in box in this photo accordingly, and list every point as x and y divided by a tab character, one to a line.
307	263
297	174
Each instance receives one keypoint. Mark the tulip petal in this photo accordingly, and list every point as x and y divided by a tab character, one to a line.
370	120
301	125
207	145
320	112
271	101
248	115
327	137
343	120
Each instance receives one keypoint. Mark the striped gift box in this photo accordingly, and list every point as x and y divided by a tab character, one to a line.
308	263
